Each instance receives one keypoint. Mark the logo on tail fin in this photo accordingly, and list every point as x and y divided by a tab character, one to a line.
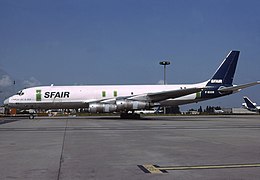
216	81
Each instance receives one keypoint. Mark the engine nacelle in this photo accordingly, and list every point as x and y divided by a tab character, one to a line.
100	108
121	105
127	105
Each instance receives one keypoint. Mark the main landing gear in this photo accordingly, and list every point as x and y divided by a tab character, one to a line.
31	116
130	116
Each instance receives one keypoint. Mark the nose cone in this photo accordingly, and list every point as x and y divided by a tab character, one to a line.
6	102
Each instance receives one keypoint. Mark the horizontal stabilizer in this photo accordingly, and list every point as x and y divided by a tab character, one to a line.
238	87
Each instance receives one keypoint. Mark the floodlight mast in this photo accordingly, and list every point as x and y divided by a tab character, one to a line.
164	63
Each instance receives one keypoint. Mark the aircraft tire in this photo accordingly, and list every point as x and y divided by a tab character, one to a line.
31	116
130	116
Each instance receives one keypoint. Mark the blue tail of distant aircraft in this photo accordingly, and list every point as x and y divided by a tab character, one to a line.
249	103
225	73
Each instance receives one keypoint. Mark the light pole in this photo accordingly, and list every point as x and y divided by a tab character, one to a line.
164	63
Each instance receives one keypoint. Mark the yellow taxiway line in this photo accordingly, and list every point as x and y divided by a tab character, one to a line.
154	169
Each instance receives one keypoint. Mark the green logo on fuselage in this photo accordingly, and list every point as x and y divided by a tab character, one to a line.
38	95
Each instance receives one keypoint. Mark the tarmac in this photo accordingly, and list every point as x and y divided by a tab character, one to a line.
167	147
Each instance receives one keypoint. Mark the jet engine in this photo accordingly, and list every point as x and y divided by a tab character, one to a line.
127	105
119	106
100	108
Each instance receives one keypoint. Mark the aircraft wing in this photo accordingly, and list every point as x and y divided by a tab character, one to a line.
238	87
150	97
163	95
104	101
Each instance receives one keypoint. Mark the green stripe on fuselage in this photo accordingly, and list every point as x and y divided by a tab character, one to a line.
38	95
198	95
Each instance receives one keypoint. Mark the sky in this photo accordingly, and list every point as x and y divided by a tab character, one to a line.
82	42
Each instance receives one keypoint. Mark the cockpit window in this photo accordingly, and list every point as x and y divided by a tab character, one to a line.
20	93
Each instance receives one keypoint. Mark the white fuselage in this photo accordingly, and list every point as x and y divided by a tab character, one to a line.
48	97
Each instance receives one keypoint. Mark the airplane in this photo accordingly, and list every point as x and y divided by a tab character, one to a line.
218	111
250	105
129	98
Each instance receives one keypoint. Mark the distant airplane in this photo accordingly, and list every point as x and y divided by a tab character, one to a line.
125	98
218	111
250	105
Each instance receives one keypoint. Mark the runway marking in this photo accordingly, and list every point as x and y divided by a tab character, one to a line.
147	168
155	169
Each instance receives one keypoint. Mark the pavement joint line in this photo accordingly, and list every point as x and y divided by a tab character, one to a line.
62	150
155	169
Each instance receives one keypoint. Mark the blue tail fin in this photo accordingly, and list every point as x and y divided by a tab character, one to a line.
225	73
249	103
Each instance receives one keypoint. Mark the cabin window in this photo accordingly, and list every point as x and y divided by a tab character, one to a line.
103	93
20	93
